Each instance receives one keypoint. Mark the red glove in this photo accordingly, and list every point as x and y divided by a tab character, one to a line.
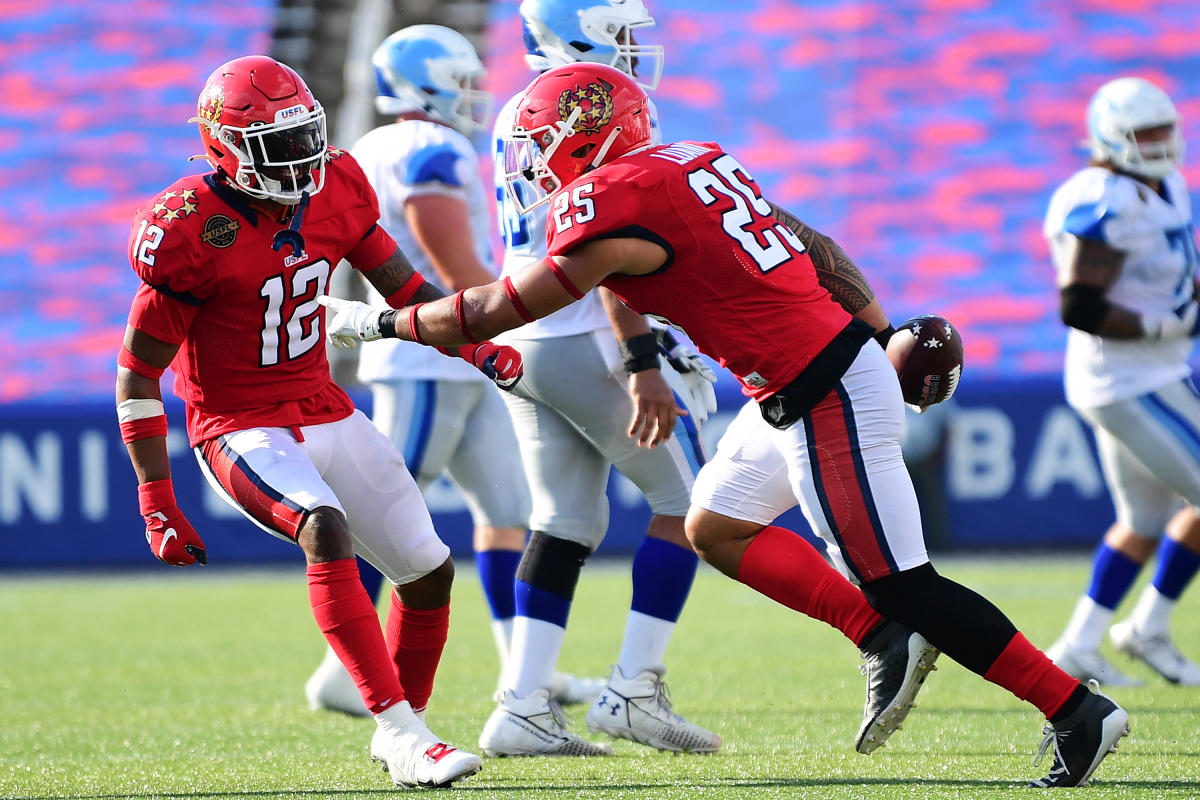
170	536
499	362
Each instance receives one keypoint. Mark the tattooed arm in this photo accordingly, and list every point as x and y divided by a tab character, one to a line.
837	273
394	273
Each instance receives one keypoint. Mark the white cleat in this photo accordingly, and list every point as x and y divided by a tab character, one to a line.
1088	665
533	726
414	756
570	690
1158	651
331	688
639	709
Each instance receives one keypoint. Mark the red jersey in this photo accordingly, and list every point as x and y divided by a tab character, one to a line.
736	280
246	316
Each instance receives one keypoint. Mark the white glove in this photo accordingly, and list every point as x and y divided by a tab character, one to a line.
698	377
350	322
1182	323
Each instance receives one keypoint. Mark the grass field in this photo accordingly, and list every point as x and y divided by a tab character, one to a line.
189	684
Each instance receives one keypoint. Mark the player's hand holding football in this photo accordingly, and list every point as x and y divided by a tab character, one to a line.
171	537
697	375
350	322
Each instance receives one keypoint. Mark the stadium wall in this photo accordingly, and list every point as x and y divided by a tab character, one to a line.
1018	469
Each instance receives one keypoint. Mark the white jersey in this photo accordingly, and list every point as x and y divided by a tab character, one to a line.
404	160
1155	232
525	243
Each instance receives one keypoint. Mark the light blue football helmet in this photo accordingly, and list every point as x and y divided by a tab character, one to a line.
559	32
433	69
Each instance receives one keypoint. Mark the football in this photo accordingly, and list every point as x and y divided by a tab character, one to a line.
927	353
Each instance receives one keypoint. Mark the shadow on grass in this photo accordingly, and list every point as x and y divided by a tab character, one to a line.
527	789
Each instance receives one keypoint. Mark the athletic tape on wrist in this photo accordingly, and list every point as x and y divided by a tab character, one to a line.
131	362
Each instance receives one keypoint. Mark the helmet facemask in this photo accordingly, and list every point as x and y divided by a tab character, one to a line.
277	160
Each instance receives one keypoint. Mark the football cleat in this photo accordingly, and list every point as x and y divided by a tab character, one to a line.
414	756
896	669
533	726
331	688
639	709
1088	665
1158	651
570	690
1082	740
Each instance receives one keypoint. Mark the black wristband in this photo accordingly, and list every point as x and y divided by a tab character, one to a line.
387	324
640	353
884	336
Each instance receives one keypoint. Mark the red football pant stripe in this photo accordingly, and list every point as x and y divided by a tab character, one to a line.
416	638
1030	675
260	500
345	614
784	567
840	480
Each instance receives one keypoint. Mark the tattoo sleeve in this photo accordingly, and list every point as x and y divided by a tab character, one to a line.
835	271
389	276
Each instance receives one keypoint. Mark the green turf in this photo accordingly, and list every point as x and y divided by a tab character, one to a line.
189	684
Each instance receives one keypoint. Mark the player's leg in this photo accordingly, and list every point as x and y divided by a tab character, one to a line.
567	481
736	498
1167	444
845	465
1143	504
391	528
486	466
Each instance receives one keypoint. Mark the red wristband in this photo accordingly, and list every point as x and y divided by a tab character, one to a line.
412	324
458	315
136	429
155	496
400	297
129	361
510	291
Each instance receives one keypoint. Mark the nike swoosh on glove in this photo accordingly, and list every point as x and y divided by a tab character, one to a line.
172	538
499	362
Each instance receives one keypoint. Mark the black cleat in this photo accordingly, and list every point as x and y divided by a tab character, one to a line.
1082	740
895	669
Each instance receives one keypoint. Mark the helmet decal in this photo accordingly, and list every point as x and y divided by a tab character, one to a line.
212	104
595	103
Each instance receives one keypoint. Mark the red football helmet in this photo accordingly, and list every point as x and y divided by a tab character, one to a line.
263	129
572	119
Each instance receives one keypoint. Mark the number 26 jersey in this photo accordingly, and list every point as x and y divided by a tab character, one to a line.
736	280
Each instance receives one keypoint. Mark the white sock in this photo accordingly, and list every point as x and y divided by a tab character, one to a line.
1085	630
535	648
645	644
1152	614
399	716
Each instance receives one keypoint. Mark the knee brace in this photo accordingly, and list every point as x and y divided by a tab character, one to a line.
552	564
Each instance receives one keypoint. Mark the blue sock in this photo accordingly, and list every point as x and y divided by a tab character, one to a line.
1112	575
540	604
1177	565
497	571
662	578
372	579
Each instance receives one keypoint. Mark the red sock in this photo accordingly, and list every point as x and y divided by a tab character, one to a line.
416	638
345	614
1030	675
784	567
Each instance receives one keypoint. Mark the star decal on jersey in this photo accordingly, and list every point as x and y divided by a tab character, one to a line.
334	153
594	102
168	209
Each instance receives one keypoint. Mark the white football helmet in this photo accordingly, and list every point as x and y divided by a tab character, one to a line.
1118	111
559	32
433	69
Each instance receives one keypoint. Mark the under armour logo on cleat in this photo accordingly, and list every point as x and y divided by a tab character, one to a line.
603	703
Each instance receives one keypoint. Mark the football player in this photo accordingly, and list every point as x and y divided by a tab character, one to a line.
1121	235
232	263
682	231
441	413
